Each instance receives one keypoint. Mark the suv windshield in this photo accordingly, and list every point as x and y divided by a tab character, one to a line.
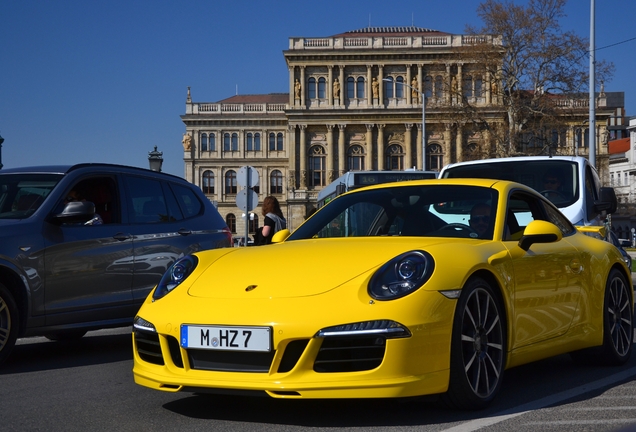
22	194
555	179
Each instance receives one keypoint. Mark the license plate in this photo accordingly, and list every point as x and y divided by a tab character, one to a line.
226	338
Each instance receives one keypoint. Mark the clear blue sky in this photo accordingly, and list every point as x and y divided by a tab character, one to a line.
105	81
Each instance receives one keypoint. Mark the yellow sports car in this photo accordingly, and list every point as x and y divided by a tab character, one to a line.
401	289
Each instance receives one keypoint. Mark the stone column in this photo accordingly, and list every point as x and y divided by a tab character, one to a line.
409	98
420	83
302	87
460	79
341	149
343	86
380	147
291	85
330	86
369	141
241	143
448	84
447	143
331	155
291	154
381	83
487	84
408	144
458	143
367	87
303	156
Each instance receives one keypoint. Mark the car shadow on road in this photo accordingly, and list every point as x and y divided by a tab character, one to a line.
39	354
522	385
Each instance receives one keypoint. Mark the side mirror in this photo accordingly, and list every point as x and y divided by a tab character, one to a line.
281	236
75	212
607	201
539	231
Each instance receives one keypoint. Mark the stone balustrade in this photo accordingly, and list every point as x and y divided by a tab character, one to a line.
388	42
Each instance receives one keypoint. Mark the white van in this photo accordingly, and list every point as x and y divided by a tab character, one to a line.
570	182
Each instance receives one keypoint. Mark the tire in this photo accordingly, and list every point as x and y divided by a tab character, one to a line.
66	336
8	323
618	320
478	347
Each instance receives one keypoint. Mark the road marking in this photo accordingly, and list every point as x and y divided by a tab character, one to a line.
542	403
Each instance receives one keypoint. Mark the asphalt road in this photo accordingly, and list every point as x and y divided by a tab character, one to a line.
88	386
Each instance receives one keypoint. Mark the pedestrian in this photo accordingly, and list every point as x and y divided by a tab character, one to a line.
273	222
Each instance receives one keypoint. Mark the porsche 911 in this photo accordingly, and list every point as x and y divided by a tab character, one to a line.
431	287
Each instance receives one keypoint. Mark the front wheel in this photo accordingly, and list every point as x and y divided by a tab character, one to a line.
8	323
478	346
617	320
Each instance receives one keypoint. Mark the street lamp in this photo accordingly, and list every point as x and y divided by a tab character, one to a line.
423	96
155	159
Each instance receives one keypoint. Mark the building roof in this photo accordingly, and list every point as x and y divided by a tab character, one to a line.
619	146
391	31
275	98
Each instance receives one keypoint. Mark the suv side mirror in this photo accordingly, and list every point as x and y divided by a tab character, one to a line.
607	200
75	212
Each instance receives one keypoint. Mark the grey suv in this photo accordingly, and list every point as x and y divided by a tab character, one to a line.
81	246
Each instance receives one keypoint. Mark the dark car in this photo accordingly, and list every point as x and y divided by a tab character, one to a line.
82	246
613	239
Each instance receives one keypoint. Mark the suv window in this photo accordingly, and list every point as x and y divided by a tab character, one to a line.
188	201
147	203
22	194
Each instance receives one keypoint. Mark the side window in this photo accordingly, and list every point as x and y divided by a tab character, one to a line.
187	199
522	209
147	203
559	220
101	191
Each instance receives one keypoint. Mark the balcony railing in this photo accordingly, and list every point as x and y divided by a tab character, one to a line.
388	42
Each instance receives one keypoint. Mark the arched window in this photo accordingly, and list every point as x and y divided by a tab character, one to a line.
249	142
311	88
230	182
257	142
388	87
226	142
276	182
351	91
234	142
279	141
204	142
395	157
439	87
208	182
321	88
212	142
230	220
355	158
435	157
272	141
399	87
428	86
360	88
317	173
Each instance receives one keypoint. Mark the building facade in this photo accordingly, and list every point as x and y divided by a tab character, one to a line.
370	99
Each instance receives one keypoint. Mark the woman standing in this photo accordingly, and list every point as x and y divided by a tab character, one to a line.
273	222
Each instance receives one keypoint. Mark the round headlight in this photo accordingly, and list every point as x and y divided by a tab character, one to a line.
401	275
177	273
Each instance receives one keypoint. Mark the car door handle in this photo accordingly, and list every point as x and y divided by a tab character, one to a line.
122	236
184	232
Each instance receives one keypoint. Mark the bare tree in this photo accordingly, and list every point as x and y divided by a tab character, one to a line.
536	72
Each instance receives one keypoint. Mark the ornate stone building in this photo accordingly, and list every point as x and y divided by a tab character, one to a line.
354	103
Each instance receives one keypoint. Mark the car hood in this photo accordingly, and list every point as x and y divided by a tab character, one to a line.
298	268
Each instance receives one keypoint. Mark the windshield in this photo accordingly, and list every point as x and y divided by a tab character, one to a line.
555	179
22	194
425	211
